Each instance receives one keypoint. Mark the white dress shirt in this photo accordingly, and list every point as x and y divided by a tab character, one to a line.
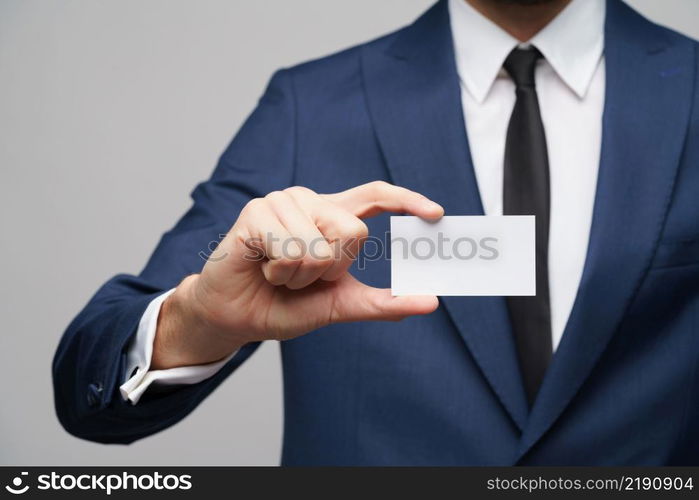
570	85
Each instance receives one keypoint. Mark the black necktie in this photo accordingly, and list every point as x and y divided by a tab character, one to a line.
526	192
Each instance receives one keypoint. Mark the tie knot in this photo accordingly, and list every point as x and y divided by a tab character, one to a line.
520	64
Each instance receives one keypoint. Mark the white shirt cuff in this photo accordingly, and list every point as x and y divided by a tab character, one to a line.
139	356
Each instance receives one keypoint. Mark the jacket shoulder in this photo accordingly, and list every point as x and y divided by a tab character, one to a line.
640	28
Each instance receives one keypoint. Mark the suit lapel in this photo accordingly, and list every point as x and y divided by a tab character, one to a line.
648	91
414	99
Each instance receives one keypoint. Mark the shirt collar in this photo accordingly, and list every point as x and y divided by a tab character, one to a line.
572	44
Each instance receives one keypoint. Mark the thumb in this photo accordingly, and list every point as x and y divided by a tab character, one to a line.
356	301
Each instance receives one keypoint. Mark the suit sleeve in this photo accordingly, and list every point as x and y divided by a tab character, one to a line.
90	361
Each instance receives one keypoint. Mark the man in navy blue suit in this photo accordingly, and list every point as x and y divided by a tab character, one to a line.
580	112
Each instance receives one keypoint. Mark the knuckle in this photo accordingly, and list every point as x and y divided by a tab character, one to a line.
275	196
298	190
253	205
379	186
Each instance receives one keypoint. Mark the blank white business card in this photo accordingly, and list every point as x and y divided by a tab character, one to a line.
463	255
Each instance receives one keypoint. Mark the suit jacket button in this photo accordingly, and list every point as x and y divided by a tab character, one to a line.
94	394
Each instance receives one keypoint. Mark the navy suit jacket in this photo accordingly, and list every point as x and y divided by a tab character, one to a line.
623	386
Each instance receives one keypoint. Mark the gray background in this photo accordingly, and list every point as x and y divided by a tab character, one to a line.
110	112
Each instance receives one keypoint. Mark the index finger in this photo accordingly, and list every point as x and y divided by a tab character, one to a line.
375	197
